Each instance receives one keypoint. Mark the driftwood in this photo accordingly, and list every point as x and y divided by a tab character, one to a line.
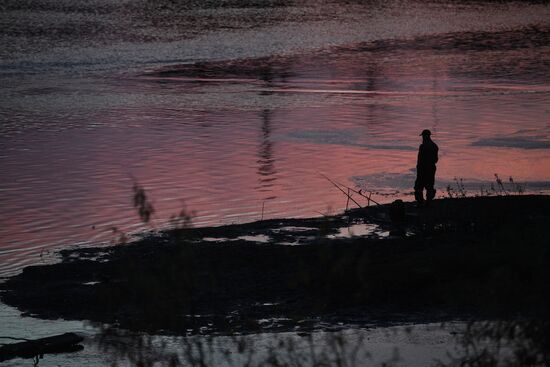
63	343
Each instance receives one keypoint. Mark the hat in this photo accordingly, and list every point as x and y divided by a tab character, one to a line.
425	132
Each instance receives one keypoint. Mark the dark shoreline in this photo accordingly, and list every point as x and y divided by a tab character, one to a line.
468	258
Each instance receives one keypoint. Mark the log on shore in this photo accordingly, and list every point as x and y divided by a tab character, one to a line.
63	343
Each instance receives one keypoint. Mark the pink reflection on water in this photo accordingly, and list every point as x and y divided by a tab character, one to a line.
229	147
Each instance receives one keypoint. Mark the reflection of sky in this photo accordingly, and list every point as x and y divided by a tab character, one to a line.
227	148
516	140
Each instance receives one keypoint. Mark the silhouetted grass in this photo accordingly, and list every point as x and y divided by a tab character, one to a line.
273	350
458	190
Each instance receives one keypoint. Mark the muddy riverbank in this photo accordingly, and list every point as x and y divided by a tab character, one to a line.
470	258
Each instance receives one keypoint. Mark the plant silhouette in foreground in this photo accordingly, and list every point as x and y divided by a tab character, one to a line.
478	344
342	349
502	343
459	189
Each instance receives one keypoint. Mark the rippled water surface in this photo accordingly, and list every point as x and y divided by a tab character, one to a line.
234	111
416	346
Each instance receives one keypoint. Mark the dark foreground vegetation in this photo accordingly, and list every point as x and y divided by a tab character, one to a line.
471	258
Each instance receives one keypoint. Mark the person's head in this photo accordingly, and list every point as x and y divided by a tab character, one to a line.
426	134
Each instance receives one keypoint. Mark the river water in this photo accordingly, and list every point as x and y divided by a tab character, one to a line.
233	109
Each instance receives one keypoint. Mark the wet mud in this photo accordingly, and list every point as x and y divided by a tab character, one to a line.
459	259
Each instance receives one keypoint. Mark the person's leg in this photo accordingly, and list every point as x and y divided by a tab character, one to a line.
429	183
418	189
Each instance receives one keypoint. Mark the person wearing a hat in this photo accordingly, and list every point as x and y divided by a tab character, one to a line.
425	169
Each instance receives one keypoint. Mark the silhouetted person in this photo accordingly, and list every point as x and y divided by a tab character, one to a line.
425	168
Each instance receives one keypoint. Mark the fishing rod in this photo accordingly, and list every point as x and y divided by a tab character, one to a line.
360	193
339	188
337	184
